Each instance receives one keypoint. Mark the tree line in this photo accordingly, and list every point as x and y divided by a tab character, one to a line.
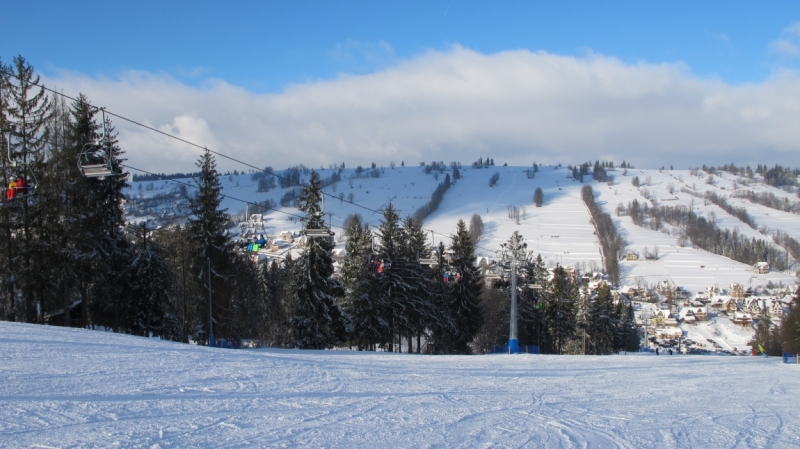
705	234
610	241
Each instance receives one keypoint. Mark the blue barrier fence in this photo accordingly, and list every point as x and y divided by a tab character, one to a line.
522	349
227	344
791	358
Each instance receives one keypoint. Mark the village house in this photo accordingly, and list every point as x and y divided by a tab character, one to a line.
776	308
730	306
753	306
664	317
686	315
737	291
761	267
630	255
700	313
742	318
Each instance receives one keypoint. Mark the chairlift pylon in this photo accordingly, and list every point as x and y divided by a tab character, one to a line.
96	159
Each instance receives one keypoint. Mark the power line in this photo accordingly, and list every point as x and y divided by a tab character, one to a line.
204	148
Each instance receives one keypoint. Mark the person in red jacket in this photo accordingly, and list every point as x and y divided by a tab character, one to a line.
12	188
22	186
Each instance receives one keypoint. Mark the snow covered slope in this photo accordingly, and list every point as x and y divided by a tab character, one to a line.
79	388
693	269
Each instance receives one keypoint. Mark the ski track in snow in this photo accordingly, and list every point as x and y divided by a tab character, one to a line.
79	388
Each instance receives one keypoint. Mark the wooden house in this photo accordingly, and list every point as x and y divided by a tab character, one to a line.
776	309
700	313
664	317
761	267
730	306
737	291
630	255
686	315
753	306
742	318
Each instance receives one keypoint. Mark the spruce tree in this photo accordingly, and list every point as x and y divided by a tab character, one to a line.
317	322
559	310
150	281
420	312
464	297
28	109
363	304
213	250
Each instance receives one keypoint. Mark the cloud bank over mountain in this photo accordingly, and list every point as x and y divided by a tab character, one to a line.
514	106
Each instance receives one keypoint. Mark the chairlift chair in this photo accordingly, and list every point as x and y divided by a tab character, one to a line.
319	232
96	159
431	260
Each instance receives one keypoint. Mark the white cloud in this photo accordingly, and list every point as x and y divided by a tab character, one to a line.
789	43
784	47
514	106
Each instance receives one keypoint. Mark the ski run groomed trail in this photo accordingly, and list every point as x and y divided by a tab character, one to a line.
80	388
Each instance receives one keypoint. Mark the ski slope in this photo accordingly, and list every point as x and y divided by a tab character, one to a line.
690	268
80	388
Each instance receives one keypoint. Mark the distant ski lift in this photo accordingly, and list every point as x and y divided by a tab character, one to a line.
96	158
320	232
431	260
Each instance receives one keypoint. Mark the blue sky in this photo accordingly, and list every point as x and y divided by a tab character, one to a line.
268	48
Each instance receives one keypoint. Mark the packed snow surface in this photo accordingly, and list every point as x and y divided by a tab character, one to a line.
79	388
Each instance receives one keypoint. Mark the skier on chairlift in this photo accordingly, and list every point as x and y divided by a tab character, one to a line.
12	188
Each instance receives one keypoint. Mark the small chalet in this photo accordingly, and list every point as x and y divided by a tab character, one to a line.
761	267
686	315
742	318
776	309
737	291
703	299
287	236
753	307
700	313
664	317
630	255
730	306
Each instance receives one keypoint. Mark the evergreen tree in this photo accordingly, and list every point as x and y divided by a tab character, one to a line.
559	310
150	286
316	320
213	251
443	328
28	109
102	222
601	324
420	311
464	297
184	289
392	284
364	305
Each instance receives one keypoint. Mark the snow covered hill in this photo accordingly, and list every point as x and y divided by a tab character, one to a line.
561	230
67	387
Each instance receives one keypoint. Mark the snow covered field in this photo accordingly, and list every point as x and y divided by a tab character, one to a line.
78	388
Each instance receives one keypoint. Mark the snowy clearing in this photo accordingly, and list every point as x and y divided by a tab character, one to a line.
74	387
